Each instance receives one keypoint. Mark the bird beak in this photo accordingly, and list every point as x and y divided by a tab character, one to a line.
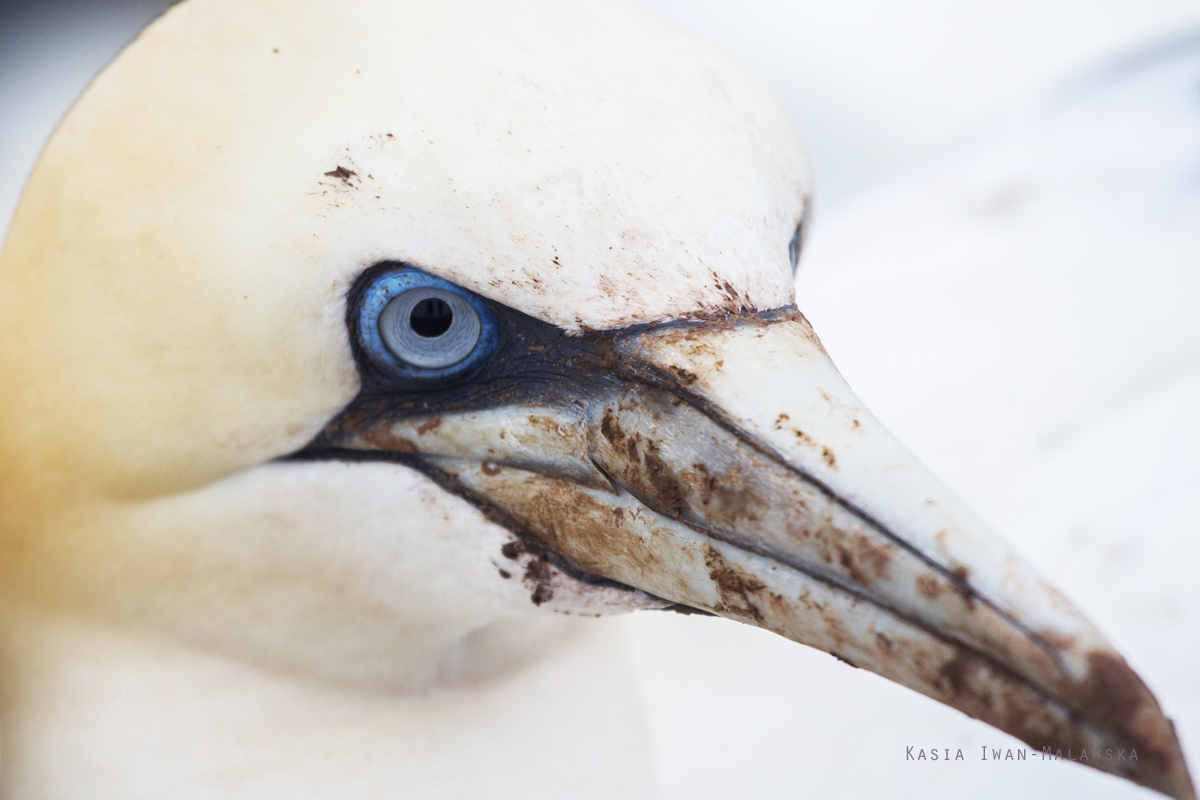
728	467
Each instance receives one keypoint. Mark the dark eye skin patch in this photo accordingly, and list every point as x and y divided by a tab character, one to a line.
534	364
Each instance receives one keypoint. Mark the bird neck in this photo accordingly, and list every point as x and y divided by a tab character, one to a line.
89	711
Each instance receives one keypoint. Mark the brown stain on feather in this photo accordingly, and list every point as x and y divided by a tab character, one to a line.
539	574
341	173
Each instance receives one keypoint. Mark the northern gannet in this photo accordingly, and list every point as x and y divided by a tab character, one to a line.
345	344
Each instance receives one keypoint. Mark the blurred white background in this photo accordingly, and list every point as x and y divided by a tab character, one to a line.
875	83
1022	318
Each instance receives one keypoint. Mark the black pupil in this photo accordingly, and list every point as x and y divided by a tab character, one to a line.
431	318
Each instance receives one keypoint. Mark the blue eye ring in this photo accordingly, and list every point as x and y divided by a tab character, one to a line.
390	285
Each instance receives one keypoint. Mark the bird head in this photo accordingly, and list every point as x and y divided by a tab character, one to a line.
358	338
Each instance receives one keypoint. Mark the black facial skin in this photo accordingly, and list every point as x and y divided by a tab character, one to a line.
797	242
534	363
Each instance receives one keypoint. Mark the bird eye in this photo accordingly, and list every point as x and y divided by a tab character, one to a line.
416	325
430	328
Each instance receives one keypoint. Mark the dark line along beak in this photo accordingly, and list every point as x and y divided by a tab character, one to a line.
732	470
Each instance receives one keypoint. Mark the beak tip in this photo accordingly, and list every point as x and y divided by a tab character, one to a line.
1117	698
1178	779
